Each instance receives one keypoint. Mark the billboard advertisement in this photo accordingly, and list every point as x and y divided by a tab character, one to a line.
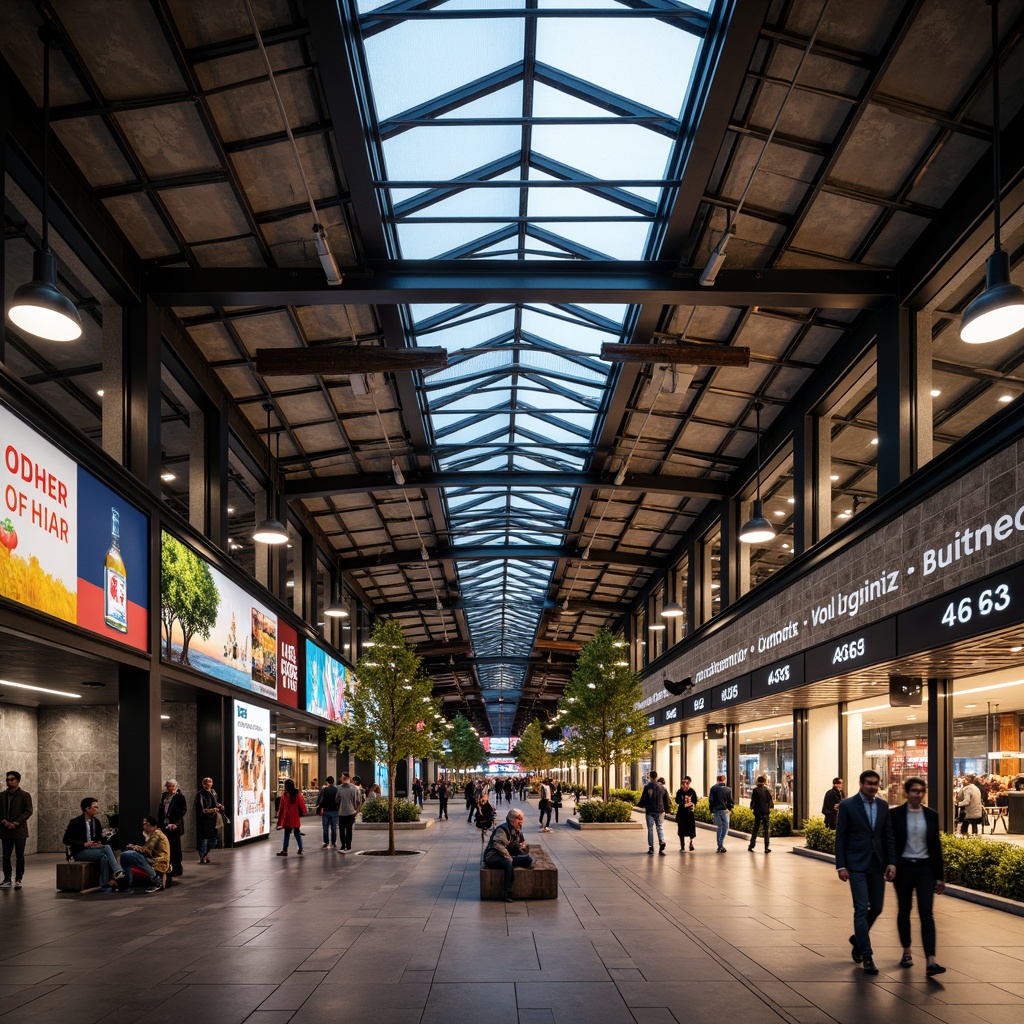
211	625
287	665
69	546
328	683
252	771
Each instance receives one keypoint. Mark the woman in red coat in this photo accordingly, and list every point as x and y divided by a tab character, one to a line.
289	816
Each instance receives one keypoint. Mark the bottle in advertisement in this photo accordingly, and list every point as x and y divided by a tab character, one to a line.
115	579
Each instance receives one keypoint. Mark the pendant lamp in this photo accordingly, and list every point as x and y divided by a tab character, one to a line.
39	307
271	531
998	311
758	530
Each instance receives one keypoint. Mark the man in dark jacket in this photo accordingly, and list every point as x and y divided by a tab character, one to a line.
721	803
761	803
919	868
654	801
442	799
15	810
830	805
866	858
508	849
327	808
84	836
171	819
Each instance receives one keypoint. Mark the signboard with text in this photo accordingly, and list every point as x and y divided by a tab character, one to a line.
69	546
252	771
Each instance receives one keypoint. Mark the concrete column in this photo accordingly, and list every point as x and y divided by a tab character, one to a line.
823	758
695	761
801	758
896	401
940	751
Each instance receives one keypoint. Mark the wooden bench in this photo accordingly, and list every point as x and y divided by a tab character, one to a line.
78	876
537	883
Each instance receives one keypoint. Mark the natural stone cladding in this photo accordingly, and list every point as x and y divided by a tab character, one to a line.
964	531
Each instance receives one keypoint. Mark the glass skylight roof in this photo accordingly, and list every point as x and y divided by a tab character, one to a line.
522	130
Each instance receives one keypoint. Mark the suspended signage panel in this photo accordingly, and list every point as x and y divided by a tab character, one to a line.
252	771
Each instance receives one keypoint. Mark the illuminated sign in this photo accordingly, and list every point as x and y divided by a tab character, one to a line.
211	625
735	691
252	771
867	646
327	684
287	665
778	676
69	546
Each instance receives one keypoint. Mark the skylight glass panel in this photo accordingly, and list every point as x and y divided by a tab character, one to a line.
424	241
443	154
613	241
609	151
471	202
568	334
473	332
410	62
505	102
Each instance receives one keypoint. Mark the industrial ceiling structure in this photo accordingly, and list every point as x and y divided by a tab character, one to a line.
506	194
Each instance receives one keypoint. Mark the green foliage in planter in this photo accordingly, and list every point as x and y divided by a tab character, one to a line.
613	810
632	795
819	836
1009	879
377	811
702	811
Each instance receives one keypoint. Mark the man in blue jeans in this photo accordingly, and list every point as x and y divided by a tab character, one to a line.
508	849
720	799
327	806
84	836
654	801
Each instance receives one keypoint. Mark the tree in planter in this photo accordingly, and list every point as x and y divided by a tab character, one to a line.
394	713
464	747
600	707
530	751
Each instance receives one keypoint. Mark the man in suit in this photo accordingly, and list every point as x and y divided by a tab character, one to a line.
84	835
919	867
866	858
830	805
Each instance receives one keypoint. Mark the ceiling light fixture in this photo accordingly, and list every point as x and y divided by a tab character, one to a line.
423	553
396	469
758	530
673	610
271	530
620	476
998	311
39	689
39	307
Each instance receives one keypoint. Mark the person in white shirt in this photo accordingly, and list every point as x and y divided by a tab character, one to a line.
544	806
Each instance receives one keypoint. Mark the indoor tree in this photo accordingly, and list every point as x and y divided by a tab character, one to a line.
394	714
599	707
465	750
530	751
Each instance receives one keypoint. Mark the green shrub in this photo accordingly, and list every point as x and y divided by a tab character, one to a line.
702	811
819	836
632	795
377	811
613	810
1009	874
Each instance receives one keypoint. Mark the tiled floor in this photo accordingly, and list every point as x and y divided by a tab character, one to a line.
686	937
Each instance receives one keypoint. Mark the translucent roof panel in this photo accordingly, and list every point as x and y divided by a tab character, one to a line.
477	166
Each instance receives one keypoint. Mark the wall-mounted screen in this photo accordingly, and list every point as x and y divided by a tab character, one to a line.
252	771
212	625
328	683
69	546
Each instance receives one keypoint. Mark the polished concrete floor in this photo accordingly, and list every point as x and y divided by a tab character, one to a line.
327	937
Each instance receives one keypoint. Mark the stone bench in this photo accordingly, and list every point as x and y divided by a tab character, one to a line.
78	876
537	883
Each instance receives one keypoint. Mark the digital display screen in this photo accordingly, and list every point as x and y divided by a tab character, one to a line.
327	682
252	771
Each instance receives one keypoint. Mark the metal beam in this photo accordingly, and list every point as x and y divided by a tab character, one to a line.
403	282
508	552
654	483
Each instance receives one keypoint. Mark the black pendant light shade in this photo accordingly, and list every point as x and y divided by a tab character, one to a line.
40	308
271	531
757	530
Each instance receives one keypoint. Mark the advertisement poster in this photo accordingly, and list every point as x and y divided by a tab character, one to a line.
69	546
252	771
212	625
327	684
287	665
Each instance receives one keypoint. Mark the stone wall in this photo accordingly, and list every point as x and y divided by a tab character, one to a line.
178	755
77	758
19	744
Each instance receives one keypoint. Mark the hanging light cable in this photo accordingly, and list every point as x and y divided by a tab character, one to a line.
271	530
758	530
39	307
998	311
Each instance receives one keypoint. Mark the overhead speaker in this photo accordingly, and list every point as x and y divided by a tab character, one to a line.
679	687
905	691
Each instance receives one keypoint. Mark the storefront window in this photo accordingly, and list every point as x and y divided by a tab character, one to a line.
766	748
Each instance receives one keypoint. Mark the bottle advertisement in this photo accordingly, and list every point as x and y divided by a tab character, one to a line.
69	546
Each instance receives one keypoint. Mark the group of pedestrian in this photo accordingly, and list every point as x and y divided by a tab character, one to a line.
337	804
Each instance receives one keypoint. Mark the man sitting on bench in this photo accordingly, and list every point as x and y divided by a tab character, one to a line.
153	856
84	836
508	849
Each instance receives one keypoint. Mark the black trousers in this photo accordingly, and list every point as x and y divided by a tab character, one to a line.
759	822
345	823
174	842
442	807
916	876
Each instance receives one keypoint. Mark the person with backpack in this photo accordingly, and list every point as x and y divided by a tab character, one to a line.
761	803
654	801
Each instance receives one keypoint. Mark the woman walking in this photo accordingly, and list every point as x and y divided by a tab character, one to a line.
207	806
686	824
289	816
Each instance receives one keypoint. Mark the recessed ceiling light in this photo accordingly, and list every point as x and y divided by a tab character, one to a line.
1006	398
935	392
834	476
874	440
1016	649
99	391
970	705
231	508
785	545
166	476
39	689
791	501
290	583
779	512
165	718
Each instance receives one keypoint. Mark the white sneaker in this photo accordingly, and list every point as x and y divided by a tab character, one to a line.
17	883
5	884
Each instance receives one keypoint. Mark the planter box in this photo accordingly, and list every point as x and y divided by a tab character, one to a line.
400	826
605	825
